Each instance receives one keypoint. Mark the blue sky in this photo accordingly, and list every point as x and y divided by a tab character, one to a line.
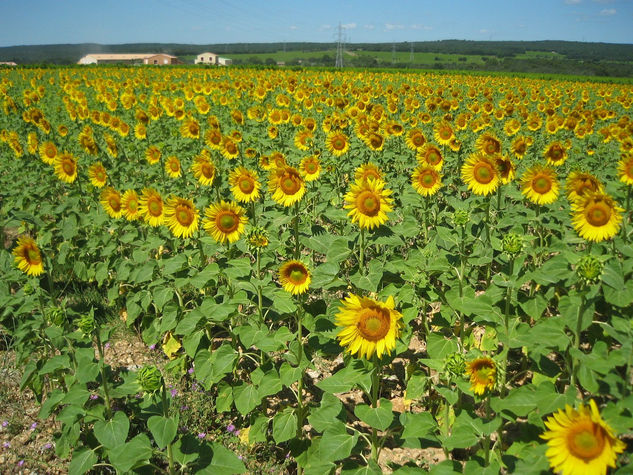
28	22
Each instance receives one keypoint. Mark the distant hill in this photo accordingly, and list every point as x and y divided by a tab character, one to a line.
568	57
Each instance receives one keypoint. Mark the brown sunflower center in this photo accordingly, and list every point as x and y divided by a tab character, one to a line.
231	148
586	440
132	205
484	373
290	185
68	167
417	140
311	167
227	222
446	133
433	158
33	256
207	170
427	179
184	216
174	166
541	184
115	204
297	275
246	185
376	141
368	203
483	173
491	147
373	323
155	207
598	213
51	152
338	143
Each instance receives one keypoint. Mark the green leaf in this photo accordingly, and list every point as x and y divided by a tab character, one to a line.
283	302
202	278
112	433
162	295
55	363
246	398
145	273
163	430
439	347
519	401
379	418
223	462
335	444
186	449
338	250
327	413
345	379
134	453
83	460
417	425
284	425
210	368
174	264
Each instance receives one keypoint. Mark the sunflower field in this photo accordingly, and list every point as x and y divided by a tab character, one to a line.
363	272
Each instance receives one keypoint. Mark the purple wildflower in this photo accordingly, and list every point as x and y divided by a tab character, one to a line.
230	428
202	435
34	426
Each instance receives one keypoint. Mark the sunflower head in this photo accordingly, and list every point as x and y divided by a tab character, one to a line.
580	441
512	244
150	206
481	174
258	238
181	217
426	180
368	202
204	170
66	167
625	169
597	217
368	326
130	203
310	168
539	185
27	256
172	167
368	171
483	375
97	174
225	221
589	269
580	184
244	184
111	202
286	185
294	276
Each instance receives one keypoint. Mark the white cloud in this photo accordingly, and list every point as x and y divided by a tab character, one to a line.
349	26
326	27
417	26
369	27
608	12
392	26
572	2
293	27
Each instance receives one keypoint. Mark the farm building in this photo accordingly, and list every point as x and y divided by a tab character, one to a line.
134	58
7	63
212	58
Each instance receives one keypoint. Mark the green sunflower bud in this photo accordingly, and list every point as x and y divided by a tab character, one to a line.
461	217
589	269
86	324
150	378
28	288
454	365
512	243
258	238
56	315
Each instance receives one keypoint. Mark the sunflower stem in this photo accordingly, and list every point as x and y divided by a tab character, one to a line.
296	230
104	380
628	213
375	392
300	408
579	315
260	306
361	259
170	454
487	439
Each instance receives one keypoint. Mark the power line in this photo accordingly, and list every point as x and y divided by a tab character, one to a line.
339	48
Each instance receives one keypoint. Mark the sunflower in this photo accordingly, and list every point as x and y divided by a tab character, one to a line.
337	143
539	185
426	180
294	276
111	201
152	154
181	216
129	203
520	145
272	132
368	171
244	184
203	170
150	206
48	152
286	185
28	257
303	139
224	221
555	154
443	133
66	167
140	131
190	128
483	374
229	148
277	159
506	168
488	144
368	203
415	139
480	173
369	326
597	217
625	169
580	184
374	141
97	174
580	441
213	138
172	167
430	155
310	168
32	143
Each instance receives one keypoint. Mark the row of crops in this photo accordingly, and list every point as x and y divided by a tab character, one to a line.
347	264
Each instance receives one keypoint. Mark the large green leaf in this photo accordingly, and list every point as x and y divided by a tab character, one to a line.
112	433
379	417
163	430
